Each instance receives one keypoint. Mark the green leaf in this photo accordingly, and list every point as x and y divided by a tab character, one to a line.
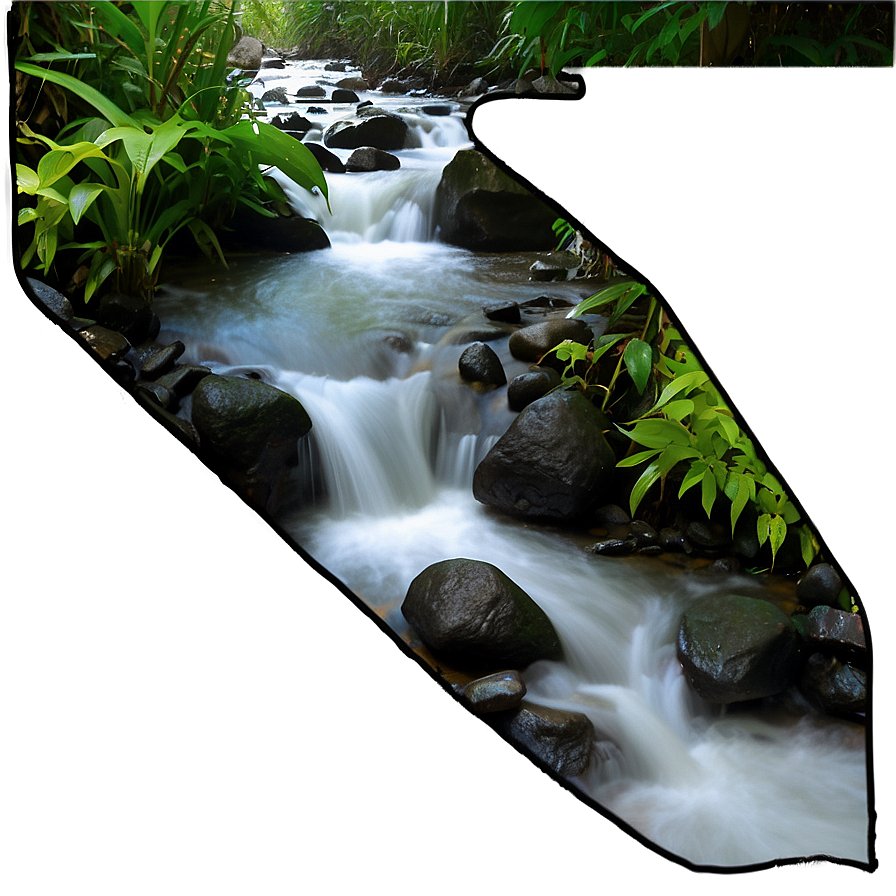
59	57
645	480
639	457
615	292
809	546
678	410
119	25
638	357
708	491
27	179
101	103
682	382
716	12
729	428
777	530
660	433
27	214
82	197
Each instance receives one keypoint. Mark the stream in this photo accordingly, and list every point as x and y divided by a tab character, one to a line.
367	335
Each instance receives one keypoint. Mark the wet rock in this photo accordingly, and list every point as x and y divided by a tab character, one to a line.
614	546
436	109
479	363
820	585
724	566
246	54
530	386
316	110
480	207
462	335
472	614
835	687
51	299
673	540
159	394
108	345
292	122
131	316
312	90
276	95
183	378
643	533
353	84
611	515
341	95
152	359
369	126
327	160
504	312
249	430
494	693
562	740
521	86
708	536
550	85
552	463
476	87
531	343
735	648
393	86
273	62
556	266
285	233
369	158
835	630
182	429
335	67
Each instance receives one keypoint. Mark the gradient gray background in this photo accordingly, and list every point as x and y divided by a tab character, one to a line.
230	723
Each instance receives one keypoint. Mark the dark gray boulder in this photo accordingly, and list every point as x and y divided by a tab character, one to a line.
480	207
480	364
153	359
312	90
436	109
835	687
820	585
835	630
341	95
531	343
276	95
131	316
285	233
530	386
562	740
550	85
369	158
51	299
735	648
553	463
249	433
327	160
353	84
494	693
108	345
293	122
472	614
369	126
246	54
505	312
393	86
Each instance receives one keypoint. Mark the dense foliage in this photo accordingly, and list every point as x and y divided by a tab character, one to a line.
130	132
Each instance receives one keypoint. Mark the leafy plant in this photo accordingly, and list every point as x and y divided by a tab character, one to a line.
120	186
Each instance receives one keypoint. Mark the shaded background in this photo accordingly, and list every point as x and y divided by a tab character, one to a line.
235	725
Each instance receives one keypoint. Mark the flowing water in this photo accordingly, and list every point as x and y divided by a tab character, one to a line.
367	335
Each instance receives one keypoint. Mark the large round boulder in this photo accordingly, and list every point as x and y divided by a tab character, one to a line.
246	54
249	430
479	363
368	126
470	613
553	463
531	343
734	648
480	207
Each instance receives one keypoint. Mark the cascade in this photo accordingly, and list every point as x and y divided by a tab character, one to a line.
360	334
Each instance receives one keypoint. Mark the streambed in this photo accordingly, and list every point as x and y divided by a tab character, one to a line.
367	336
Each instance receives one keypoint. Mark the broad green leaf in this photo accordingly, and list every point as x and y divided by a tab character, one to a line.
737	488
777	531
716	12
658	433
682	382
645	480
693	476
612	293
27	180
708	491
119	25
101	103
82	197
762	528
638	357
99	272
59	57
55	195
730	428
809	546
27	214
678	410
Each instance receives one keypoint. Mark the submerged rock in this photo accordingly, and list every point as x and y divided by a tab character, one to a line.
562	740
735	648
494	693
480	207
472	614
553	462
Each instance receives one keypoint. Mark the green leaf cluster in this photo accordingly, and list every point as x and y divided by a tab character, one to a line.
119	183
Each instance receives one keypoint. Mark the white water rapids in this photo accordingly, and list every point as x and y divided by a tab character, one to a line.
367	336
